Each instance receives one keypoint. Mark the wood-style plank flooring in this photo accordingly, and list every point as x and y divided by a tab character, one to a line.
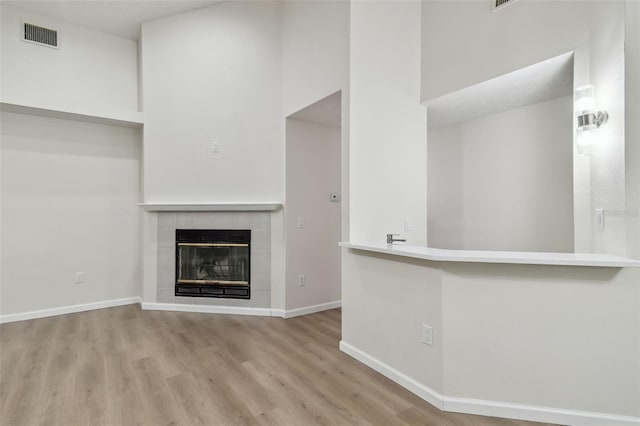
125	366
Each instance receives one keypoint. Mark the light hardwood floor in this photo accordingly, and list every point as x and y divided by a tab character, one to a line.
125	366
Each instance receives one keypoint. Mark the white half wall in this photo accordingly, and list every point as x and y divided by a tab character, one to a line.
91	71
504	181
562	337
388	149
313	172
69	193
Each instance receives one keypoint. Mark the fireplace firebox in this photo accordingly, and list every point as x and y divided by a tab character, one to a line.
213	263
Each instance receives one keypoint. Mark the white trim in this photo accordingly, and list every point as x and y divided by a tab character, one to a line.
207	309
232	206
277	313
312	309
489	408
235	310
482	256
432	397
68	309
536	413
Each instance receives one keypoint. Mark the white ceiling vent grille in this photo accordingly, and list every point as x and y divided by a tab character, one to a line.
40	35
499	4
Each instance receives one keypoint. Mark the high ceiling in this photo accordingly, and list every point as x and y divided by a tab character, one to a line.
119	17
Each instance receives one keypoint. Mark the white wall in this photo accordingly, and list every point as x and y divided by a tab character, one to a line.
607	165
539	30
387	123
315	64
504	181
632	127
523	33
313	172
385	302
68	188
445	186
91	71
563	337
315	51
217	81
68	205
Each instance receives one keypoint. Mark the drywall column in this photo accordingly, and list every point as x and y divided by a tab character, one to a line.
384	301
388	146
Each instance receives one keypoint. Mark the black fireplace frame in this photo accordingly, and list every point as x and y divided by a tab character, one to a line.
213	236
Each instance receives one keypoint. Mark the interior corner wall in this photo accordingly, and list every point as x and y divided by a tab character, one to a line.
388	125
69	193
90	71
313	172
219	81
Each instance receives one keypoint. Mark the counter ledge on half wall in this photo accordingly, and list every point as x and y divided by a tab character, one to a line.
479	256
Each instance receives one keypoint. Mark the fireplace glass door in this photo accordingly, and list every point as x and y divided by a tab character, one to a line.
213	263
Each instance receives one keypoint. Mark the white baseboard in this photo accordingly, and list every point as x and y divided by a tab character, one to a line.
235	310
207	309
68	309
536	413
432	397
312	309
489	408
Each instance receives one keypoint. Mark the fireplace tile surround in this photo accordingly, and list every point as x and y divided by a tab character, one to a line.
260	225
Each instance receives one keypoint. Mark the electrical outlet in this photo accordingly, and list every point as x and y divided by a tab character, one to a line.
427	334
407	225
301	222
79	277
302	280
215	147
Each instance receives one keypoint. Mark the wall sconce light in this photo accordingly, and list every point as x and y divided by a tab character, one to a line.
588	118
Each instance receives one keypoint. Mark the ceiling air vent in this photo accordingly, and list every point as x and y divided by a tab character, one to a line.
40	35
499	4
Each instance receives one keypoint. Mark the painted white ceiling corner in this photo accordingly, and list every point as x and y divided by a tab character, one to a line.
540	82
119	17
327	111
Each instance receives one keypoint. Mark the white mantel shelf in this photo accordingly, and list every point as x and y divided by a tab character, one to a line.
477	256
237	206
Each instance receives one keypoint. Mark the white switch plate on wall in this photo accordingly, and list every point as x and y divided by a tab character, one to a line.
600	218
301	222
215	147
79	277
427	334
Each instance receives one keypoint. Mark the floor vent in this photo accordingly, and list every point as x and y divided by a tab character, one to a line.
499	4
40	35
